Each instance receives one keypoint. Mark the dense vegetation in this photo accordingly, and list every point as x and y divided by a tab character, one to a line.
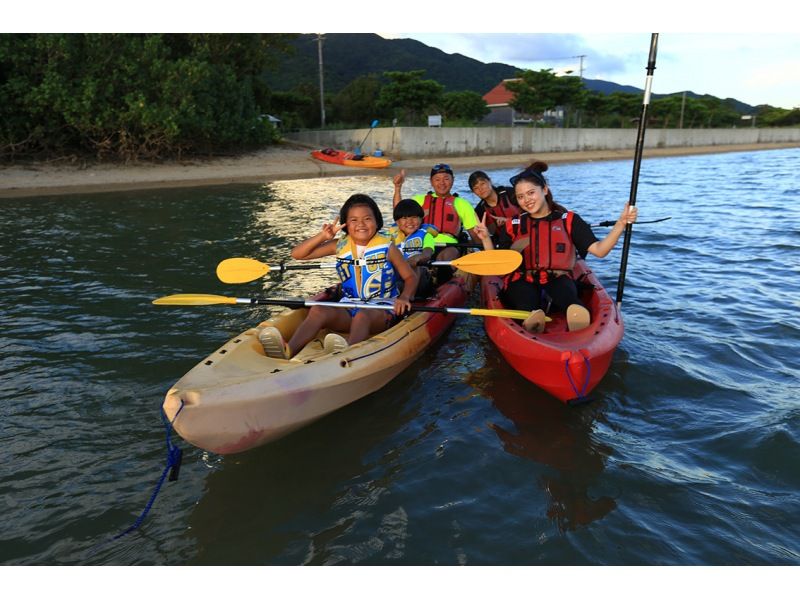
153	96
133	96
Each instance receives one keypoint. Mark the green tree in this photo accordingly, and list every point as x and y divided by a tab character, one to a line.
132	96
408	96
538	91
720	113
466	106
293	108
778	117
357	103
625	108
596	107
534	91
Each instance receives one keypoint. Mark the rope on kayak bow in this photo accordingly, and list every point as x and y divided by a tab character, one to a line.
579	394
174	457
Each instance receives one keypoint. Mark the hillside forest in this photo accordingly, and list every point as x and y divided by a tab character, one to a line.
135	97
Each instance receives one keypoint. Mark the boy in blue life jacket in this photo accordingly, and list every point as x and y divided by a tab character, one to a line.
415	240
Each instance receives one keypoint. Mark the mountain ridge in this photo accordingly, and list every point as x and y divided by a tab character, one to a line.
347	56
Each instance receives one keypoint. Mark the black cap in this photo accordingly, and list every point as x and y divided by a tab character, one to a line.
477	176
437	168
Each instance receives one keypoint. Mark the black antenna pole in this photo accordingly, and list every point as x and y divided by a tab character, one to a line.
637	161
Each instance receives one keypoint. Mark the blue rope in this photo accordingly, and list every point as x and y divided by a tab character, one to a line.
174	456
579	394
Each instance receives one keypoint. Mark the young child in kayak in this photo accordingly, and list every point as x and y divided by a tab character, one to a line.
415	240
548	237
368	264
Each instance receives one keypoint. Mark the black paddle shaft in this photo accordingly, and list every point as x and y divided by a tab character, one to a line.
637	161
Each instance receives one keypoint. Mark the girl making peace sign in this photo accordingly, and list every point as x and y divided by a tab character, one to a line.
368	264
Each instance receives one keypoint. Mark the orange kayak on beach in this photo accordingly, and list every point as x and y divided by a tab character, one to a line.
350	159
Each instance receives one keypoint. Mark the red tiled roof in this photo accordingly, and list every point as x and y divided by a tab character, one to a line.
499	95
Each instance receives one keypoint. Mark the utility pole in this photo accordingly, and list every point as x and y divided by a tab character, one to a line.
581	56
320	38
580	73
683	103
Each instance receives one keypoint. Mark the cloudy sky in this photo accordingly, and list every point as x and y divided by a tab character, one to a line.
740	49
756	68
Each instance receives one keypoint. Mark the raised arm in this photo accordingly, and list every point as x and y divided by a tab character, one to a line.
398	181
321	244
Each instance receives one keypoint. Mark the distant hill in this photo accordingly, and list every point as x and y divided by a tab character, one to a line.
347	56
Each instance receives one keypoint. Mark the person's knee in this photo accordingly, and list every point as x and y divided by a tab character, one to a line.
319	314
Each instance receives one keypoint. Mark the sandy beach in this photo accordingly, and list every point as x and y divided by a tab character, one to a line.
282	162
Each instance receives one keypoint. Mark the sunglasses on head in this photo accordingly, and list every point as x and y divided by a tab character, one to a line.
528	174
441	168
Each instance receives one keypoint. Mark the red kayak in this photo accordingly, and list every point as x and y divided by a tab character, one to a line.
567	365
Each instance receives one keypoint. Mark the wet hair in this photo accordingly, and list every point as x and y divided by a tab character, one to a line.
533	173
406	208
359	199
476	176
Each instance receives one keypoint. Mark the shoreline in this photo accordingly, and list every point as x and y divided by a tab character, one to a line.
285	162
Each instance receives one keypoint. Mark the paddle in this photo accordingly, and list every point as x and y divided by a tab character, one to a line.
237	270
595	225
613	222
374	124
637	161
193	299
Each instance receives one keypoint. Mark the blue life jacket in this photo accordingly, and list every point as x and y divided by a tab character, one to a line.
372	275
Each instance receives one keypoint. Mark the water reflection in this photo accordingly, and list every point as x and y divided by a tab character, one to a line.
548	432
295	501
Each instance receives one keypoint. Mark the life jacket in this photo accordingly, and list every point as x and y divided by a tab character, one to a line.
504	208
370	276
545	245
441	213
413	244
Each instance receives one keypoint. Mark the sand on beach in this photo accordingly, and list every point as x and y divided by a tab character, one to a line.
283	162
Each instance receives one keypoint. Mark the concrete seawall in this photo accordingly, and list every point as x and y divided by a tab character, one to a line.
418	142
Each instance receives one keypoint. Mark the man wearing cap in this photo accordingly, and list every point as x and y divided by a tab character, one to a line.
449	213
498	202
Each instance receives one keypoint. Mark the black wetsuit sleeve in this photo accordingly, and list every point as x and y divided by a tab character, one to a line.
582	235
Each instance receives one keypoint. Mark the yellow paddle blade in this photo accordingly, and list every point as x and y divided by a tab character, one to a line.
514	314
189	299
237	270
486	263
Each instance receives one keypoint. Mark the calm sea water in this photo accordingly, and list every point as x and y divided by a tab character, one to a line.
689	454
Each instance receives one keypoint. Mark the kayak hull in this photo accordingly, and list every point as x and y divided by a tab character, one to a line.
238	398
348	159
566	365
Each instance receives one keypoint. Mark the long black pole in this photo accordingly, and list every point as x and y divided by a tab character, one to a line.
637	162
